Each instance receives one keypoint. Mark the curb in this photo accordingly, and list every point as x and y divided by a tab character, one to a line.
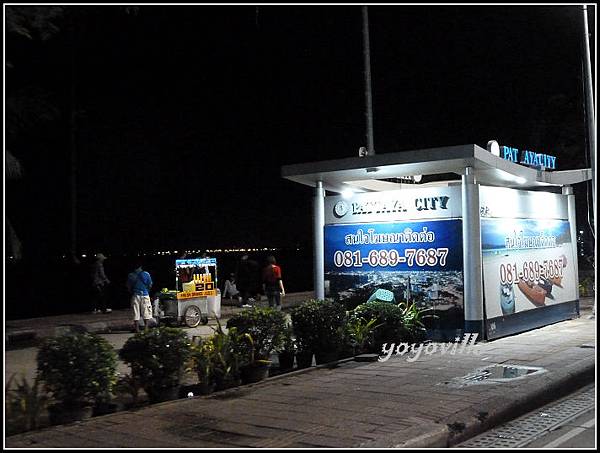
498	410
461	426
20	336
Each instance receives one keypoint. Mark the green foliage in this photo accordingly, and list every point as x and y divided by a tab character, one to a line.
396	323
252	358
203	361
128	385
217	359
319	325
24	403
586	286
359	333
157	357
42	22
288	342
266	326
413	320
77	368
390	317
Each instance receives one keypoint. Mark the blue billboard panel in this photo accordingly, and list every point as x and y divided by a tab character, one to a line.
419	262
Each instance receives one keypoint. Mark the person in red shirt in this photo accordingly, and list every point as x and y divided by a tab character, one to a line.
272	283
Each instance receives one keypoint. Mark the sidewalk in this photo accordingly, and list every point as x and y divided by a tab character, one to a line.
382	404
32	329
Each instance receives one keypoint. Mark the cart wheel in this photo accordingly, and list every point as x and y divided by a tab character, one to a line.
192	316
204	320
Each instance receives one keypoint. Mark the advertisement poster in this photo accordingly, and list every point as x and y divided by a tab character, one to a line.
421	262
196	278
528	264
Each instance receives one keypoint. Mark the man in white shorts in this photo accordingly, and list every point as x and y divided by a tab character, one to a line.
139	284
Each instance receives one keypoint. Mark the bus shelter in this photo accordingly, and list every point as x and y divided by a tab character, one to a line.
485	240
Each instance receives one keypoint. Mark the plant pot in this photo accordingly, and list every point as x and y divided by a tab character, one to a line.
105	408
304	359
286	360
254	373
205	388
324	357
159	395
61	414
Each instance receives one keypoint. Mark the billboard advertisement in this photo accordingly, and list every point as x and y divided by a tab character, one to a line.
415	261
528	271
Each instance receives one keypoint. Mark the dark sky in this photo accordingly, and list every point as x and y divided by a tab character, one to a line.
187	113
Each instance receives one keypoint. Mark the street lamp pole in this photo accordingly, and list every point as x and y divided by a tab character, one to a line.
591	120
368	96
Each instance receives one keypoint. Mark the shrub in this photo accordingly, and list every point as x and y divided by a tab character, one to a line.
266	326
77	369
157	358
359	334
288	342
413	320
390	317
319	326
217	359
397	323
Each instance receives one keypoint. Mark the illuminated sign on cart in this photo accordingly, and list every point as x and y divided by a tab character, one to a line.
196	278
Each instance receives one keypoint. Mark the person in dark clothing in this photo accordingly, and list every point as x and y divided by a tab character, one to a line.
99	285
248	280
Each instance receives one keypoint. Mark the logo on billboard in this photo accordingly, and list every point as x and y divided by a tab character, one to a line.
340	209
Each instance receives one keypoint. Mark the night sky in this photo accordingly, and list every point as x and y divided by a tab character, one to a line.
185	114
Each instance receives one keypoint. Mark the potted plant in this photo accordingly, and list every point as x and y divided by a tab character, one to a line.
77	370
302	326
360	334
319	327
157	359
225	356
203	357
266	326
24	404
254	368
287	350
128	388
412	318
389	317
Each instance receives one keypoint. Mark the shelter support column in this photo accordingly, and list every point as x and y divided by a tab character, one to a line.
318	235
568	191
471	236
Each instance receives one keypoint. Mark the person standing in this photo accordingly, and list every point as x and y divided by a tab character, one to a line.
272	283
99	285
246	277
139	283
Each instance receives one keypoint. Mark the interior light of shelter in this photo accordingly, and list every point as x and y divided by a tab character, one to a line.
347	193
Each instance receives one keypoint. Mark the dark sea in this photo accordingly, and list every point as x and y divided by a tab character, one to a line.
54	286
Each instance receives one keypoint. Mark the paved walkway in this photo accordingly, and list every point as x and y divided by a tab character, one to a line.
395	403
23	330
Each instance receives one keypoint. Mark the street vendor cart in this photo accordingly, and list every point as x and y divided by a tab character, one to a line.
196	297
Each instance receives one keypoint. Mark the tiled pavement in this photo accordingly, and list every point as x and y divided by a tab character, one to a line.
382	404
